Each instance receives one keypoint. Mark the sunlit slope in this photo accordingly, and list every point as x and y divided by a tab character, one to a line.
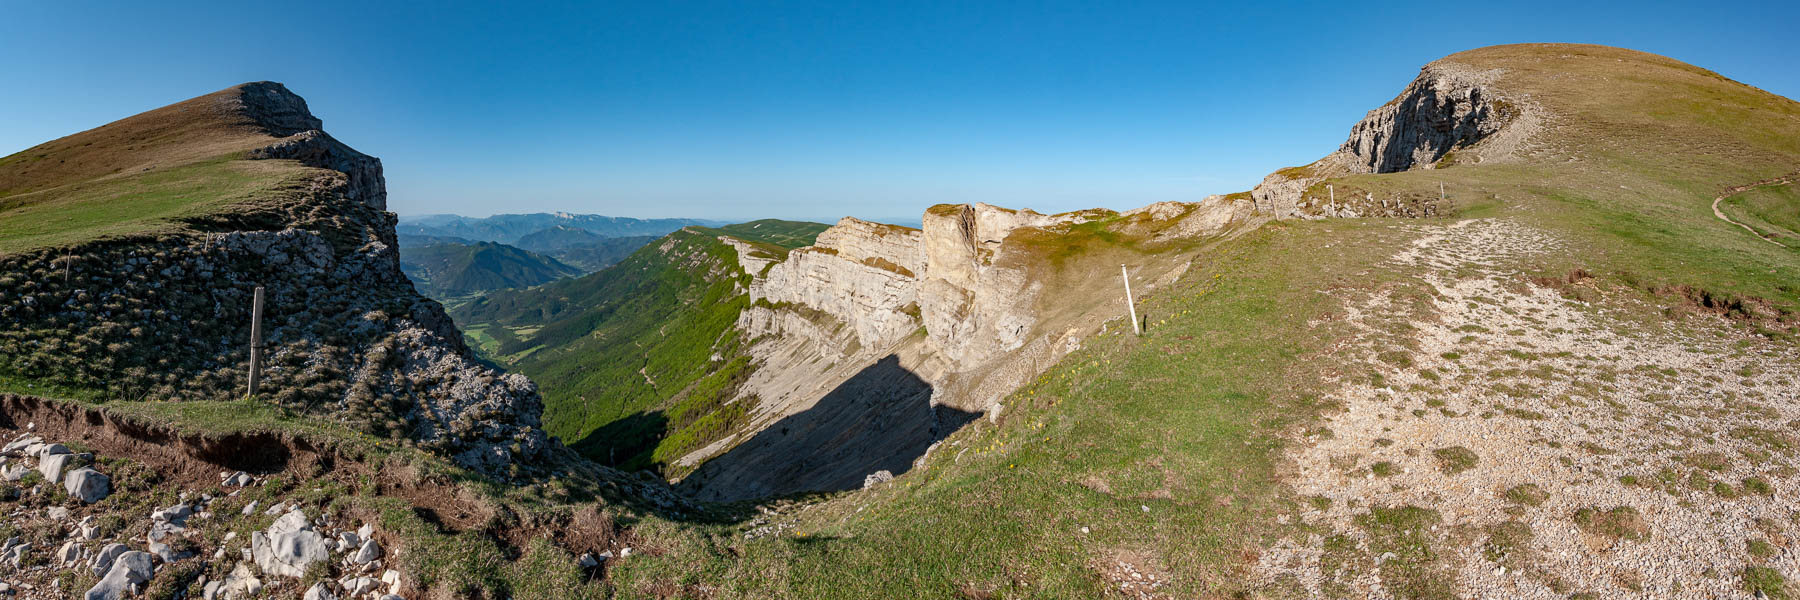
1631	151
148	173
1165	465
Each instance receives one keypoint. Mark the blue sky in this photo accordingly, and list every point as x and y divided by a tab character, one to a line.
739	110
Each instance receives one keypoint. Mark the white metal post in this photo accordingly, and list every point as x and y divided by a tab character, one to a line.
1129	303
256	306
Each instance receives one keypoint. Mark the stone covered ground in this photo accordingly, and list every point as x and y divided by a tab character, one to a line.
1499	436
96	527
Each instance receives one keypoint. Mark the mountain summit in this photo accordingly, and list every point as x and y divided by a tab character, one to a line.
159	226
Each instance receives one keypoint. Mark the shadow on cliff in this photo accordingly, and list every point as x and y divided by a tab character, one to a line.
627	443
881	419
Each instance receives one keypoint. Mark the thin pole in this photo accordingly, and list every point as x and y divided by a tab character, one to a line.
256	340
1128	301
1333	192
1440	191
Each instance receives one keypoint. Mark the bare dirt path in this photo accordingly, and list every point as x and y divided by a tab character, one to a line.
1744	188
1499	438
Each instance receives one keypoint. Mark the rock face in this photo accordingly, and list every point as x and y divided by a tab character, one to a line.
346	335
1447	108
861	272
878	340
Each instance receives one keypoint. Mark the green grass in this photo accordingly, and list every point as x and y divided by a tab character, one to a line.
1773	211
452	270
1455	459
1619	522
1415	569
1193	436
635	362
774	232
147	203
1768	581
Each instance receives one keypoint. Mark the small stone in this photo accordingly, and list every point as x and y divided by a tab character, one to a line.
319	591
368	553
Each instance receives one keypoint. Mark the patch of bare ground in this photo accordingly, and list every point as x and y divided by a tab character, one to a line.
1501	438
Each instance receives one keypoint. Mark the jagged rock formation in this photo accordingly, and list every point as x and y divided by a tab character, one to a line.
1449	108
165	315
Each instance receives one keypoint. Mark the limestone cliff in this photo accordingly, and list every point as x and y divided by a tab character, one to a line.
164	315
878	340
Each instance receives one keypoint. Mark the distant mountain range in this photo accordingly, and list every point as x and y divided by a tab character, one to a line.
452	256
511	229
450	268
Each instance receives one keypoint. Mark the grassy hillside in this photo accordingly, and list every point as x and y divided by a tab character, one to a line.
1772	210
602	254
1172	464
633	361
449	270
560	236
1637	147
142	175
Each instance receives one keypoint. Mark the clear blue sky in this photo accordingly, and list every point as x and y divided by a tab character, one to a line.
815	110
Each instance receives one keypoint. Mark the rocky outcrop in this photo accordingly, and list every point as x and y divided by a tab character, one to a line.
877	341
314	148
973	305
863	274
345	334
1445	108
1448	108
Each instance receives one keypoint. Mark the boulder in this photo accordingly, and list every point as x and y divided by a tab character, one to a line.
103	561
16	554
128	570
52	466
175	514
289	546
52	450
14	472
17	447
87	485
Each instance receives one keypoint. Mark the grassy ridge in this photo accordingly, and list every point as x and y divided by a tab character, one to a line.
1184	421
144	203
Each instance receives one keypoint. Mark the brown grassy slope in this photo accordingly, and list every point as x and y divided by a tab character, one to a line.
144	173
